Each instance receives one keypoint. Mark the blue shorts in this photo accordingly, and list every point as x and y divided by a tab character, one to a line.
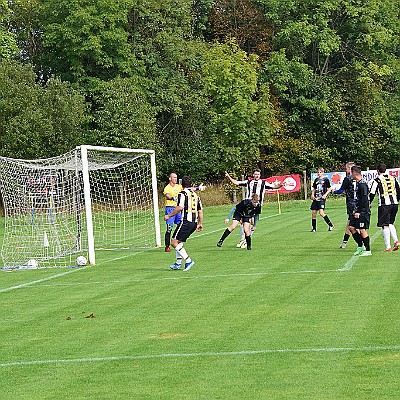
176	219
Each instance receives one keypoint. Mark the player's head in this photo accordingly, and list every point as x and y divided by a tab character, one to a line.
173	178
356	171
187	181
320	171
255	199
381	168
348	166
257	174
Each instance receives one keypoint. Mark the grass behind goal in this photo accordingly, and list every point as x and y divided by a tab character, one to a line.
296	317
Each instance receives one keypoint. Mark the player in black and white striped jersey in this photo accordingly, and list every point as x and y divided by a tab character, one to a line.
189	204
388	190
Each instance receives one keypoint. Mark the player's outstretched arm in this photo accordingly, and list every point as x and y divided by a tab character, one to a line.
234	181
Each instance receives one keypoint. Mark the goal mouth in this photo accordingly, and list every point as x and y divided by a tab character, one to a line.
90	198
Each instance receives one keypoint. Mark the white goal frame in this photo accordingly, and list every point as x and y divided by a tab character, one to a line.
93	171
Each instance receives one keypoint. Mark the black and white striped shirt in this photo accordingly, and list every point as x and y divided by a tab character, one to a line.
191	205
255	186
387	188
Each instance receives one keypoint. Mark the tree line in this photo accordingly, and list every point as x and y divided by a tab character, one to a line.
210	85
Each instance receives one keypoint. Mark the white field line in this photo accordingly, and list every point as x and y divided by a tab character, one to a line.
349	265
42	280
49	278
204	354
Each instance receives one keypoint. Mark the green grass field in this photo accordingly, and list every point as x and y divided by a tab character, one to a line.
295	318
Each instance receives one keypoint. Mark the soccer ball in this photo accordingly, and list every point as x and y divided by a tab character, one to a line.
32	263
81	261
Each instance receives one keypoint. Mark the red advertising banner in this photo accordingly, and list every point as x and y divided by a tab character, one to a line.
291	183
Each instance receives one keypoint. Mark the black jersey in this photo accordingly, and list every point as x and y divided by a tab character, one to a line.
247	209
348	186
361	198
321	186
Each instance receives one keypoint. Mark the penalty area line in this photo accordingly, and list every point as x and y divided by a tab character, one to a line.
204	354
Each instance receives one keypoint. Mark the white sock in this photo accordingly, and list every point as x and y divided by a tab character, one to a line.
182	252
242	235
386	237
178	258
393	233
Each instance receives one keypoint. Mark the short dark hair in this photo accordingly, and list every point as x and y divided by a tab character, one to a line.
356	169
257	170
187	181
381	167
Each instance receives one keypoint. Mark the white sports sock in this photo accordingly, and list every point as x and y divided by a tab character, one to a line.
182	252
178	258
242	235
393	233
386	237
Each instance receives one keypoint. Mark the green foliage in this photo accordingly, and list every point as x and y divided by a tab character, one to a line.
8	45
85	39
240	112
123	116
324	88
38	121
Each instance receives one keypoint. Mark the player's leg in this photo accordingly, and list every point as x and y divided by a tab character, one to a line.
246	227
325	217
356	235
384	222
169	227
346	235
392	228
313	220
364	226
242	236
228	231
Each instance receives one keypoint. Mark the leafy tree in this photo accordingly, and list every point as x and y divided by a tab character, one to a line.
332	71
8	46
84	39
123	116
38	121
243	21
240	112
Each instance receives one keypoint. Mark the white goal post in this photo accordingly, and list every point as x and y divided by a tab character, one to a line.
91	198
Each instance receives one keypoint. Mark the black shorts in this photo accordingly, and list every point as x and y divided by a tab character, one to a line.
317	205
387	214
241	218
360	223
184	230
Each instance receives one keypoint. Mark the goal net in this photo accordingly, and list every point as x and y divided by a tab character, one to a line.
88	199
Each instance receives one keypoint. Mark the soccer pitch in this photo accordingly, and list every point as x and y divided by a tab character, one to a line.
295	318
